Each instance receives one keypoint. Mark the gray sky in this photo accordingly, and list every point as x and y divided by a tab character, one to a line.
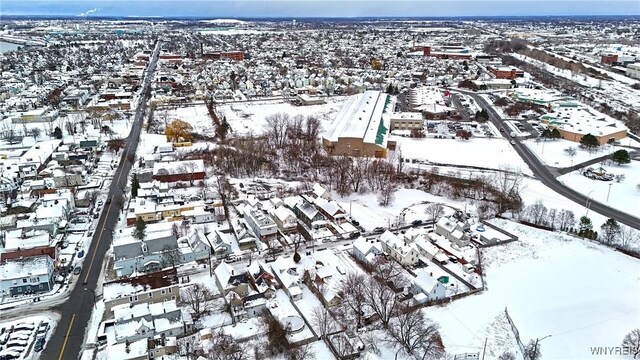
315	8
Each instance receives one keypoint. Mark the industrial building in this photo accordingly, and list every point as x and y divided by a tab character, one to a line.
360	129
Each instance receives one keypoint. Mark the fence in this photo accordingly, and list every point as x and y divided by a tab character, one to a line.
516	333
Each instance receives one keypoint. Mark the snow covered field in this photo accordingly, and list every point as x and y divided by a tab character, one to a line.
250	116
623	195
488	153
552	152
544	282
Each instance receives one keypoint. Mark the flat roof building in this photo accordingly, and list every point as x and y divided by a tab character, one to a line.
359	129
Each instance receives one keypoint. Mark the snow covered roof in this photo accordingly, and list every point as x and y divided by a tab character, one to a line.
361	117
330	207
25	268
178	167
365	246
424	281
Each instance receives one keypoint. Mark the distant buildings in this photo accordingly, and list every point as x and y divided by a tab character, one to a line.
633	70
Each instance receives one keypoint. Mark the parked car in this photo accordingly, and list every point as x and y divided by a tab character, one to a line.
354	235
77	270
416	222
24	326
10	354
108	201
378	230
17	343
39	345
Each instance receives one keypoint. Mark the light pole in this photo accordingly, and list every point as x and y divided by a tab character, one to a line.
94	296
609	192
588	203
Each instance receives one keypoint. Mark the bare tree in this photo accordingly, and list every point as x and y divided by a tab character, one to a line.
434	211
632	341
507	356
225	347
171	256
507	182
387	194
322	320
566	220
352	289
198	298
628	236
416	336
381	299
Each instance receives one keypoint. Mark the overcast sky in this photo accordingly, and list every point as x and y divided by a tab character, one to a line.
315	8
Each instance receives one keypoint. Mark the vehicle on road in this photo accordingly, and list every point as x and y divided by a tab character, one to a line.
513	142
354	235
108	201
77	270
416	222
378	230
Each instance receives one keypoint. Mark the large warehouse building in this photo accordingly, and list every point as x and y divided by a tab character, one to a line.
359	129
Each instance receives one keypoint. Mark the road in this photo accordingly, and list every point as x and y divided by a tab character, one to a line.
548	176
68	339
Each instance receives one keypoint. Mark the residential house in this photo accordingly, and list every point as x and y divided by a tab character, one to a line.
229	280
425	287
285	219
156	251
260	223
366	250
454	231
321	192
307	213
135	297
174	171
331	210
285	271
403	253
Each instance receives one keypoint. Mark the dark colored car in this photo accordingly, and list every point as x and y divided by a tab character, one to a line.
354	235
39	345
416	222
378	230
77	270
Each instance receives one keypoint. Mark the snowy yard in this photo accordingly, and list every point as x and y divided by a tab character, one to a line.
623	195
365	208
481	152
544	282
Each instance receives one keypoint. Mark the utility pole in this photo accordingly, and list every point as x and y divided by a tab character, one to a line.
484	350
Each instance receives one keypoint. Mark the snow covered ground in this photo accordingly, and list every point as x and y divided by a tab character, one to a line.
544	282
366	210
250	116
552	152
488	153
621	195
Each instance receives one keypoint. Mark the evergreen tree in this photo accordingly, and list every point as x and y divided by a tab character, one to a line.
621	157
589	142
140	231
135	185
585	226
555	134
57	133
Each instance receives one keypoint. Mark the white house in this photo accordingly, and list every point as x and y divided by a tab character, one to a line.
366	250
425	287
285	219
403	253
261	224
285	271
453	231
